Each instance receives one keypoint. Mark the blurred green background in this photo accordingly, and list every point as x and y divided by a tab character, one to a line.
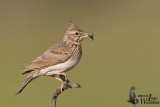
125	51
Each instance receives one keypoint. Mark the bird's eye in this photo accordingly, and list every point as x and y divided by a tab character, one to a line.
76	33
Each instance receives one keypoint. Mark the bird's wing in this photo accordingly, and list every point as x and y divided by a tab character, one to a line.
56	54
132	94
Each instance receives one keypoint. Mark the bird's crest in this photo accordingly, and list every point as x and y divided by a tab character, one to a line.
73	26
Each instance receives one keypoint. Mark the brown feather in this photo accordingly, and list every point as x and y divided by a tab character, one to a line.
28	80
56	54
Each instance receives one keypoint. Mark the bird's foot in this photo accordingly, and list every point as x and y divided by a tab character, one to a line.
62	89
62	86
64	78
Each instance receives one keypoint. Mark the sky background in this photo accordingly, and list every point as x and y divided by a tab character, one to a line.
125	51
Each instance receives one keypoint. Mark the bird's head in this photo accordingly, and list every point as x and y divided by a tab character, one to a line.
75	35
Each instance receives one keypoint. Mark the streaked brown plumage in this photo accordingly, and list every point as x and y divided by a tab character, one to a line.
59	58
58	53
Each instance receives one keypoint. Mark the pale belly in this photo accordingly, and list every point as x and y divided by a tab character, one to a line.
63	67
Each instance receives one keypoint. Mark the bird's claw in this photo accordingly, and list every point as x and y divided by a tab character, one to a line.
62	89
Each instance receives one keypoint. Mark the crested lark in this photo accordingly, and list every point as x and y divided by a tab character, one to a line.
59	58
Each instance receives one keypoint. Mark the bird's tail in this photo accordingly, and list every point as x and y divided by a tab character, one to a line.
28	80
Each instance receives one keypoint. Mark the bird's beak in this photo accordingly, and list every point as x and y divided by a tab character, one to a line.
90	35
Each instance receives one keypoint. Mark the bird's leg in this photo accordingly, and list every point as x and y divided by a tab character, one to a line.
62	82
63	78
67	82
64	74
